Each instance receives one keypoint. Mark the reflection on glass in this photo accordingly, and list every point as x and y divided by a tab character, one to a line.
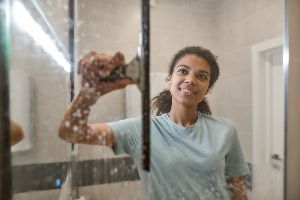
25	21
38	74
244	35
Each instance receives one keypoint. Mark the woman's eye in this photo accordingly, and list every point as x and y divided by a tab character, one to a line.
183	71
202	76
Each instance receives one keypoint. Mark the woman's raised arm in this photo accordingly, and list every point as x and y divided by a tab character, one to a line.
93	69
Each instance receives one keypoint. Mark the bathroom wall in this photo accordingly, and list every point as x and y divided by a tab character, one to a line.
242	24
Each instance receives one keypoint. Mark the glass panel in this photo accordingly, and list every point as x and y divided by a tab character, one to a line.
107	27
39	94
246	37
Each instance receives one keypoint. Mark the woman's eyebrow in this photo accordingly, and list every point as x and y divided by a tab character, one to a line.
200	71
204	72
185	66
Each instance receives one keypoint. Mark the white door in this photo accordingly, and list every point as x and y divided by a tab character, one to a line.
276	124
268	121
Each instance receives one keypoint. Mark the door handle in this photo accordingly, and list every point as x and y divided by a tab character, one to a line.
275	156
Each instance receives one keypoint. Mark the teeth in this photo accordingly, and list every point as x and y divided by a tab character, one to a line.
187	91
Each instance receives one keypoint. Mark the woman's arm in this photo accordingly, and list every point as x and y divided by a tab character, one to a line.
16	133
93	68
74	127
237	188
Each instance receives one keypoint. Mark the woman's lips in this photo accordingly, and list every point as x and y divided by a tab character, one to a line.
188	90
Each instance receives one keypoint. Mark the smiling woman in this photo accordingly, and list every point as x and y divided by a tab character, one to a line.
193	155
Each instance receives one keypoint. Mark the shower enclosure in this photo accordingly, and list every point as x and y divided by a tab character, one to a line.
257	44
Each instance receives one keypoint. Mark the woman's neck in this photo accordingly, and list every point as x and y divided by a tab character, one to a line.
184	117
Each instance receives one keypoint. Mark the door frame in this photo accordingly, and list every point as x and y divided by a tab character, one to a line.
260	99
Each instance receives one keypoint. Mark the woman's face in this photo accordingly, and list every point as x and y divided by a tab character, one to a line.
189	81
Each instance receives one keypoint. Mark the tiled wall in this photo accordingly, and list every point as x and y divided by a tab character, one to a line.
176	24
242	24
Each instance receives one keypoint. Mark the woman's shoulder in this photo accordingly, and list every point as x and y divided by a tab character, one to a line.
218	121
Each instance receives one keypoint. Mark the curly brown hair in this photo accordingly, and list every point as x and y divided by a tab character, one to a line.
163	101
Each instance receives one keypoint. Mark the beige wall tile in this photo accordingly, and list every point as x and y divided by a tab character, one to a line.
220	91
171	3
166	18
199	22
159	63
242	117
198	39
166	43
246	142
238	63
203	6
240	90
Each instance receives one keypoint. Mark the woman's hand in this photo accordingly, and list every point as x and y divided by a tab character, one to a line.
94	68
236	186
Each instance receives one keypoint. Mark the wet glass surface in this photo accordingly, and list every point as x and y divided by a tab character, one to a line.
243	34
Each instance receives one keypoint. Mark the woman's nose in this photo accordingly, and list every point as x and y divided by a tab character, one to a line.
190	79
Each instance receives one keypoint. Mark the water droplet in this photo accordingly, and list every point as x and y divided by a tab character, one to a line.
67	124
104	133
100	138
75	128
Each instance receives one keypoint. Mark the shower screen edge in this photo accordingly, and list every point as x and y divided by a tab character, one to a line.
5	156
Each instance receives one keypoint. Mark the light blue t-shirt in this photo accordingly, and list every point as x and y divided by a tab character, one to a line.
186	162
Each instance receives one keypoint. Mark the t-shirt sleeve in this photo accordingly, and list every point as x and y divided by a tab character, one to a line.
126	135
235	161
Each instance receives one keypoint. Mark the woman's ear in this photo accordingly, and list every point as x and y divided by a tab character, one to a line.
168	80
208	90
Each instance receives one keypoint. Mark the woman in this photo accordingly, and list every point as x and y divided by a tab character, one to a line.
193	155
